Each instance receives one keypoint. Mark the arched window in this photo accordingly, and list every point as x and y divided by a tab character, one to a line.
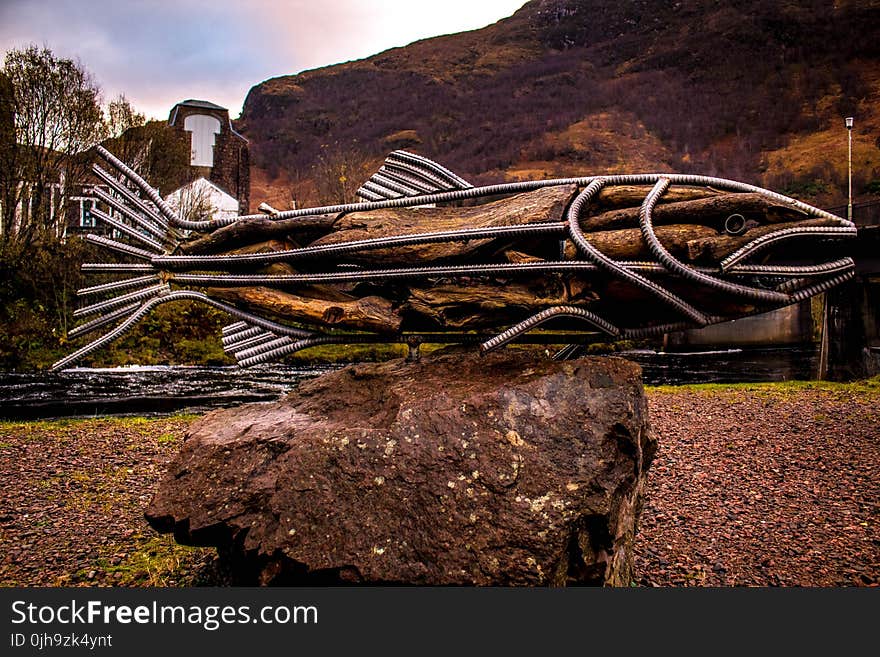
204	130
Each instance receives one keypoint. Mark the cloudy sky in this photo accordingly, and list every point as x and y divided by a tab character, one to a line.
158	52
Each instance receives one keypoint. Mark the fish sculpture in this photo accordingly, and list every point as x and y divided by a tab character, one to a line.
426	257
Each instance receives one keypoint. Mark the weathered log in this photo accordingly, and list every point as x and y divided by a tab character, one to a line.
368	313
626	196
627	244
258	229
712	211
478	304
542	205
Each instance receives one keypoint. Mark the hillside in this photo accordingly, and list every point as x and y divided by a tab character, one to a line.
742	89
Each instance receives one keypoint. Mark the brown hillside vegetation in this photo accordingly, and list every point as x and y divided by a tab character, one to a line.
743	89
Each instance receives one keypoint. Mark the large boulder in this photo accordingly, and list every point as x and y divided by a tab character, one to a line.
506	469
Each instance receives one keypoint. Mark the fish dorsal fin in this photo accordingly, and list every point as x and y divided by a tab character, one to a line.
407	174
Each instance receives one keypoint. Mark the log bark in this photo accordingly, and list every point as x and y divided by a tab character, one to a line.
543	205
628	244
478	304
626	196
368	313
712	211
257	230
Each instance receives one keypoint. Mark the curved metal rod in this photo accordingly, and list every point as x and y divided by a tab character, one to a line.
764	241
829	267
611	266
176	296
128	231
550	313
797	297
689	273
145	187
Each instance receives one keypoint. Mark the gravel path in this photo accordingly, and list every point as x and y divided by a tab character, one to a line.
755	485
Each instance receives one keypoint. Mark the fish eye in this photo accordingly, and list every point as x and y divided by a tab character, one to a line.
735	224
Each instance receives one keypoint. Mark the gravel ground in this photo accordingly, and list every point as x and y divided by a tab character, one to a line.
763	486
753	485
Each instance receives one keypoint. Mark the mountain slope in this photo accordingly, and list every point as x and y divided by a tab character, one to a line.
743	89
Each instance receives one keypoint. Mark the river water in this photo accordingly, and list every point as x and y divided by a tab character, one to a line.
162	390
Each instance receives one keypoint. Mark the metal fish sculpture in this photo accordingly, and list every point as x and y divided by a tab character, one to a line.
427	257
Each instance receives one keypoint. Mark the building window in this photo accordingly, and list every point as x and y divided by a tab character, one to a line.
86	220
204	131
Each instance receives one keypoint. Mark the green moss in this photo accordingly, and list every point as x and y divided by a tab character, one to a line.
155	560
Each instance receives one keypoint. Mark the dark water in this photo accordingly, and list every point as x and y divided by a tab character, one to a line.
160	390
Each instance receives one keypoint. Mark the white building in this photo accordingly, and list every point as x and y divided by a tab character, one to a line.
201	200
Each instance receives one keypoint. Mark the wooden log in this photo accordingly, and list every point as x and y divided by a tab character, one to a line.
257	230
367	313
627	196
542	205
478	305
628	244
711	211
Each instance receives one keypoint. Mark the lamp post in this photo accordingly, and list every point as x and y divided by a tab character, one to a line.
849	126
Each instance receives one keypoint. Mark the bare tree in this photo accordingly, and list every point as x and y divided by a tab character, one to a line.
56	116
121	116
339	172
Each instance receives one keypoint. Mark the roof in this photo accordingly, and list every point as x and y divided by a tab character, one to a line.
204	104
202	181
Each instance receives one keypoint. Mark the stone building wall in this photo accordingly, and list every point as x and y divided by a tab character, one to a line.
231	170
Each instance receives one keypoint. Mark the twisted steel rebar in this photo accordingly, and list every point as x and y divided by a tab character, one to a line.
689	273
760	243
117	285
128	231
125	193
611	266
545	315
154	229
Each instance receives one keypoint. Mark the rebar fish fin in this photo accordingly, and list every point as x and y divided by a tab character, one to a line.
407	174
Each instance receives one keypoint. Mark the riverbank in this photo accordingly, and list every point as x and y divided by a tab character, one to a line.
754	484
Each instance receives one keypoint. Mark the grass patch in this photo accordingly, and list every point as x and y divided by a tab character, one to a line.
862	386
137	421
156	561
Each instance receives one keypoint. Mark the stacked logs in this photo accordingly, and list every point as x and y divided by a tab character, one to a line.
699	226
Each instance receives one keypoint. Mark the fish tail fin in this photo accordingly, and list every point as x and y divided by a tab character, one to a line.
405	174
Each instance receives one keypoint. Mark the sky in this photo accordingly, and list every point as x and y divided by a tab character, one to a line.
158	52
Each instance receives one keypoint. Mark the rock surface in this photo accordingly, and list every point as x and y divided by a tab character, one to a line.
507	469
